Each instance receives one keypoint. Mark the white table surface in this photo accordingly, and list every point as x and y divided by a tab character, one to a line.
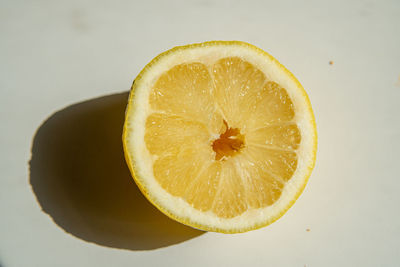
66	198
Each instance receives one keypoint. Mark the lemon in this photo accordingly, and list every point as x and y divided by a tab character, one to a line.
219	136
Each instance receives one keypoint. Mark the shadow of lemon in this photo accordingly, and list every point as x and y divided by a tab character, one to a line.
79	176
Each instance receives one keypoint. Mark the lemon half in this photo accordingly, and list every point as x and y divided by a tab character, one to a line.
219	136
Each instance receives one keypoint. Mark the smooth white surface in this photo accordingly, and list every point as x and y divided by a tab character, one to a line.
58	53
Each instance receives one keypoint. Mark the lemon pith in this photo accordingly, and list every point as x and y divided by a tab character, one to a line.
179	109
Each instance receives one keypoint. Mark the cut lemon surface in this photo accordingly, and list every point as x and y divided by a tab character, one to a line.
219	136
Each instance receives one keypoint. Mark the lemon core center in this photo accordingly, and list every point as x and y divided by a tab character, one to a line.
228	144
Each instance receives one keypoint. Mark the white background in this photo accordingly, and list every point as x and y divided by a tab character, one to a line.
54	54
